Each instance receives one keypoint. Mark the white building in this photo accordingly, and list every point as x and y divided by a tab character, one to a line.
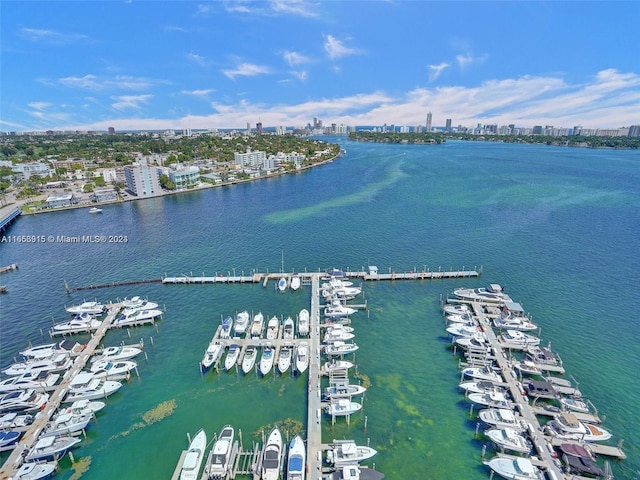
142	180
249	159
184	176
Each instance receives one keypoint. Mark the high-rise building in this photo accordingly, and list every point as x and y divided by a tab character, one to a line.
259	127
447	128
142	180
428	124
112	131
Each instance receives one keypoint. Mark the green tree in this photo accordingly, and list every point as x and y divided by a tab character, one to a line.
167	183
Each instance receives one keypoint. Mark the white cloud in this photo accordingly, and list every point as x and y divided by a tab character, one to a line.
197	93
293	7
126	102
436	70
295	58
301	75
246	70
337	49
122	82
40	105
271	8
464	61
52	36
198	59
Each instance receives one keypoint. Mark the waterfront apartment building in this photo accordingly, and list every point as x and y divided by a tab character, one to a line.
183	176
142	180
427	127
249	159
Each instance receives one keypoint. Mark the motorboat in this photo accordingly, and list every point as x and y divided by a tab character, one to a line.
335	273
354	472
55	364
117	370
272	455
49	350
256	325
9	439
85	386
501	418
302	357
338	310
463	330
451	309
518	338
272	328
295	283
77	324
575	404
337	335
492	294
190	469
212	354
131	317
578	460
526	367
303	322
480	386
288	329
219	461
477	341
334	365
493	399
65	423
232	356
340	348
36	471
566	426
284	358
22	401
139	303
343	390
227	325
95	210
542	355
342	407
12	420
466	318
346	452
266	360
482	373
114	354
242	323
509	439
540	389
249	359
84	406
333	282
38	380
514	322
296	459
518	468
282	284
51	448
335	327
92	308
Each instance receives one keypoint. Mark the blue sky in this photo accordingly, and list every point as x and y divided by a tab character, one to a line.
142	65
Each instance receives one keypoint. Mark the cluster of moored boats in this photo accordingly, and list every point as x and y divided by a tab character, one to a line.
503	389
25	391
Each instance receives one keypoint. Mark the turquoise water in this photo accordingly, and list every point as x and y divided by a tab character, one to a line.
558	227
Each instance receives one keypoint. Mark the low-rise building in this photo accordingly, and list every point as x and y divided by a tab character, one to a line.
105	195
56	201
184	176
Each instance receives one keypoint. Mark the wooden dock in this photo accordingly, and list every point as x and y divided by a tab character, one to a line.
314	392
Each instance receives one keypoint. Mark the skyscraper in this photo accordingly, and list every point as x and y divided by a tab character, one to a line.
259	127
447	128
428	124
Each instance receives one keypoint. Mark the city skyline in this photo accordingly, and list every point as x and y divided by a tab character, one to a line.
200	65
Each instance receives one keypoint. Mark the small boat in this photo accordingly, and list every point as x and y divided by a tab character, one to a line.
338	310
130	317
36	471
58	363
51	448
22	401
460	318
346	452
78	324
85	386
509	439
211	354
84	406
493	398
92	308
95	210
343	390
303	322
477	342
482	373
67	423
138	303
450	309
256	325
463	330
288	329
566	426
219	461
282	284
190	469
123	352
334	365
340	348
9	439
480	386
118	370
514	322
12	420
38	380
501	418
542	355
492	294
540	389
249	359
39	352
337	335
575	404
514	468
272	328
295	283
342	407
526	367
302	357
266	361
272	456
517	338
284	358
296	459
232	357
242	323
227	324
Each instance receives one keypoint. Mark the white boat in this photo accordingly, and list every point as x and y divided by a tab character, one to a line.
482	373
232	356
92	308
284	358
542	355
12	420
22	401
219	461
463	330
477	342
49	350
282	284
297	459
491	294
123	352
272	328
450	309
256	325
479	386
58	363
36	471
514	322
575	404
288	329
501	418
526	367
272	456
303	322
509	439
138	303
337	335
95	210
336	310
84	406
266	360
342	407
346	452
334	365
51	448
302	357
354	472
85	386
566	425
190	469
9	440
343	390
118	370
64	423
227	325
130	317
515	468
242	323
212	354
518	338
493	398
249	359
38	380
78	324
340	348
295	283
460	318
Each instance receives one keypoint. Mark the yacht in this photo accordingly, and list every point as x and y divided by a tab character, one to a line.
482	373
337	335
13	420
480	386
501	418
566	425
464	330
242	323
232	356
284	358
51	448
295	282
515	468
272	456
492	398
342	407
288	329
334	365
95	210
509	439
491	294
346	452
340	348
249	359
514	322
336	310
303	322
138	303
227	324
575	404
116	370
266	361
9	440
92	308
343	390
38	380
86	387
39	352
22	401
58	363
67	423
36	470
130	317
517	338
211	354
123	352
272	328
302	357
219	461
282	284
80	323
450	309
296	460
193	460
256	325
